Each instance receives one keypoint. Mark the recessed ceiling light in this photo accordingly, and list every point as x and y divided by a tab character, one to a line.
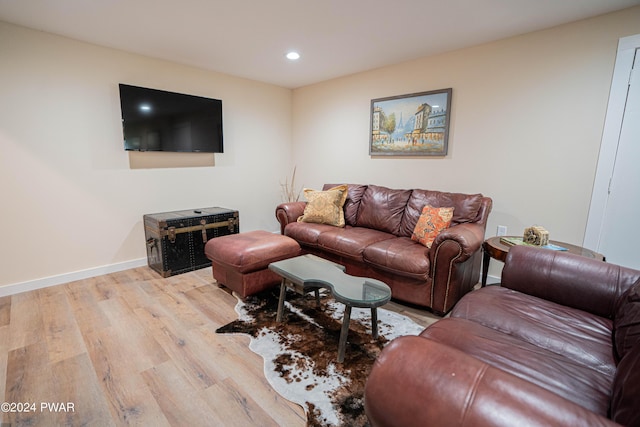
293	56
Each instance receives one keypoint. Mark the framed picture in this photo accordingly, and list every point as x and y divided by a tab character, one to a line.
411	125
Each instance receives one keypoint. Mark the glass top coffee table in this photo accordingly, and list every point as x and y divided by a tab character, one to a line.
308	273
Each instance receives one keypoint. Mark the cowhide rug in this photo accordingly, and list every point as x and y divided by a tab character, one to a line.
300	354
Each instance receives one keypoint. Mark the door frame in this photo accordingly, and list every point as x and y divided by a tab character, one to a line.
610	137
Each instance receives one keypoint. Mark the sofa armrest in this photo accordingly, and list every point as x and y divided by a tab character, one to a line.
567	279
289	212
468	237
454	258
419	382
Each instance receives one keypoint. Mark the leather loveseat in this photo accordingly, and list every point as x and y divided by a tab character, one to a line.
557	344
376	241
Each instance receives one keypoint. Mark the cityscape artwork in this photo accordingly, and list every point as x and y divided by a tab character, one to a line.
411	125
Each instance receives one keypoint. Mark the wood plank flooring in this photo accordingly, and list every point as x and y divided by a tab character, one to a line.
132	348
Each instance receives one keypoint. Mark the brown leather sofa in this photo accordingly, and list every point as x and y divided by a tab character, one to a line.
558	344
376	241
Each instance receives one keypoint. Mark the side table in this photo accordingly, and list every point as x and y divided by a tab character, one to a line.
494	248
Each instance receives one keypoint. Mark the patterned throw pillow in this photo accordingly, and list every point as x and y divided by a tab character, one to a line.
325	207
431	222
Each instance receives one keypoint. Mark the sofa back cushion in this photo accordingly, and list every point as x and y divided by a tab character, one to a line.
625	395
382	209
466	207
626	323
352	205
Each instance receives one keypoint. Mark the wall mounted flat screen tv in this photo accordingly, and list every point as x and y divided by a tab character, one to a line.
157	120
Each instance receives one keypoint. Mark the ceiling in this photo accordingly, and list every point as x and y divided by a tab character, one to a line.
249	38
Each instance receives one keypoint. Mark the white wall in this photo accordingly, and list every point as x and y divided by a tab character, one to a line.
70	199
526	123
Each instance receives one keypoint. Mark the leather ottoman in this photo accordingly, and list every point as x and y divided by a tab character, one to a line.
240	261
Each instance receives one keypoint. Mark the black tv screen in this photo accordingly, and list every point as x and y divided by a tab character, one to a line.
157	120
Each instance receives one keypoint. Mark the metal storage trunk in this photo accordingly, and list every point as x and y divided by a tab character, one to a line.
176	240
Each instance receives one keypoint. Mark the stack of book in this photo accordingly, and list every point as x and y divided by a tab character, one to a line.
519	241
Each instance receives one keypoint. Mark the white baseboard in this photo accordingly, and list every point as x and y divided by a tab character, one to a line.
45	282
493	280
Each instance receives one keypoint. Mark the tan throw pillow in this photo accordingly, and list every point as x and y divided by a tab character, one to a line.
325	207
431	222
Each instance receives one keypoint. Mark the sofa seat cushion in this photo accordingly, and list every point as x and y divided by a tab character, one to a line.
307	234
401	256
350	242
589	388
572	333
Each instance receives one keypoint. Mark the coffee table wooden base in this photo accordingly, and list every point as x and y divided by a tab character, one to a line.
346	318
308	273
299	289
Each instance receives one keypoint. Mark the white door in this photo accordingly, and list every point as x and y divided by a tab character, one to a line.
614	219
620	237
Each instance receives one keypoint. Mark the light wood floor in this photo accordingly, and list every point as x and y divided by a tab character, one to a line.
132	348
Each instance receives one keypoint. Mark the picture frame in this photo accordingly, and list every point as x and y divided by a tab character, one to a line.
415	124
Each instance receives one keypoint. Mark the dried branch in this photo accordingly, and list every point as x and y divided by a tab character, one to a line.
289	192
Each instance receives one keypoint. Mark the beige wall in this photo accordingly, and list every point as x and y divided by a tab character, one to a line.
526	123
70	198
527	118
